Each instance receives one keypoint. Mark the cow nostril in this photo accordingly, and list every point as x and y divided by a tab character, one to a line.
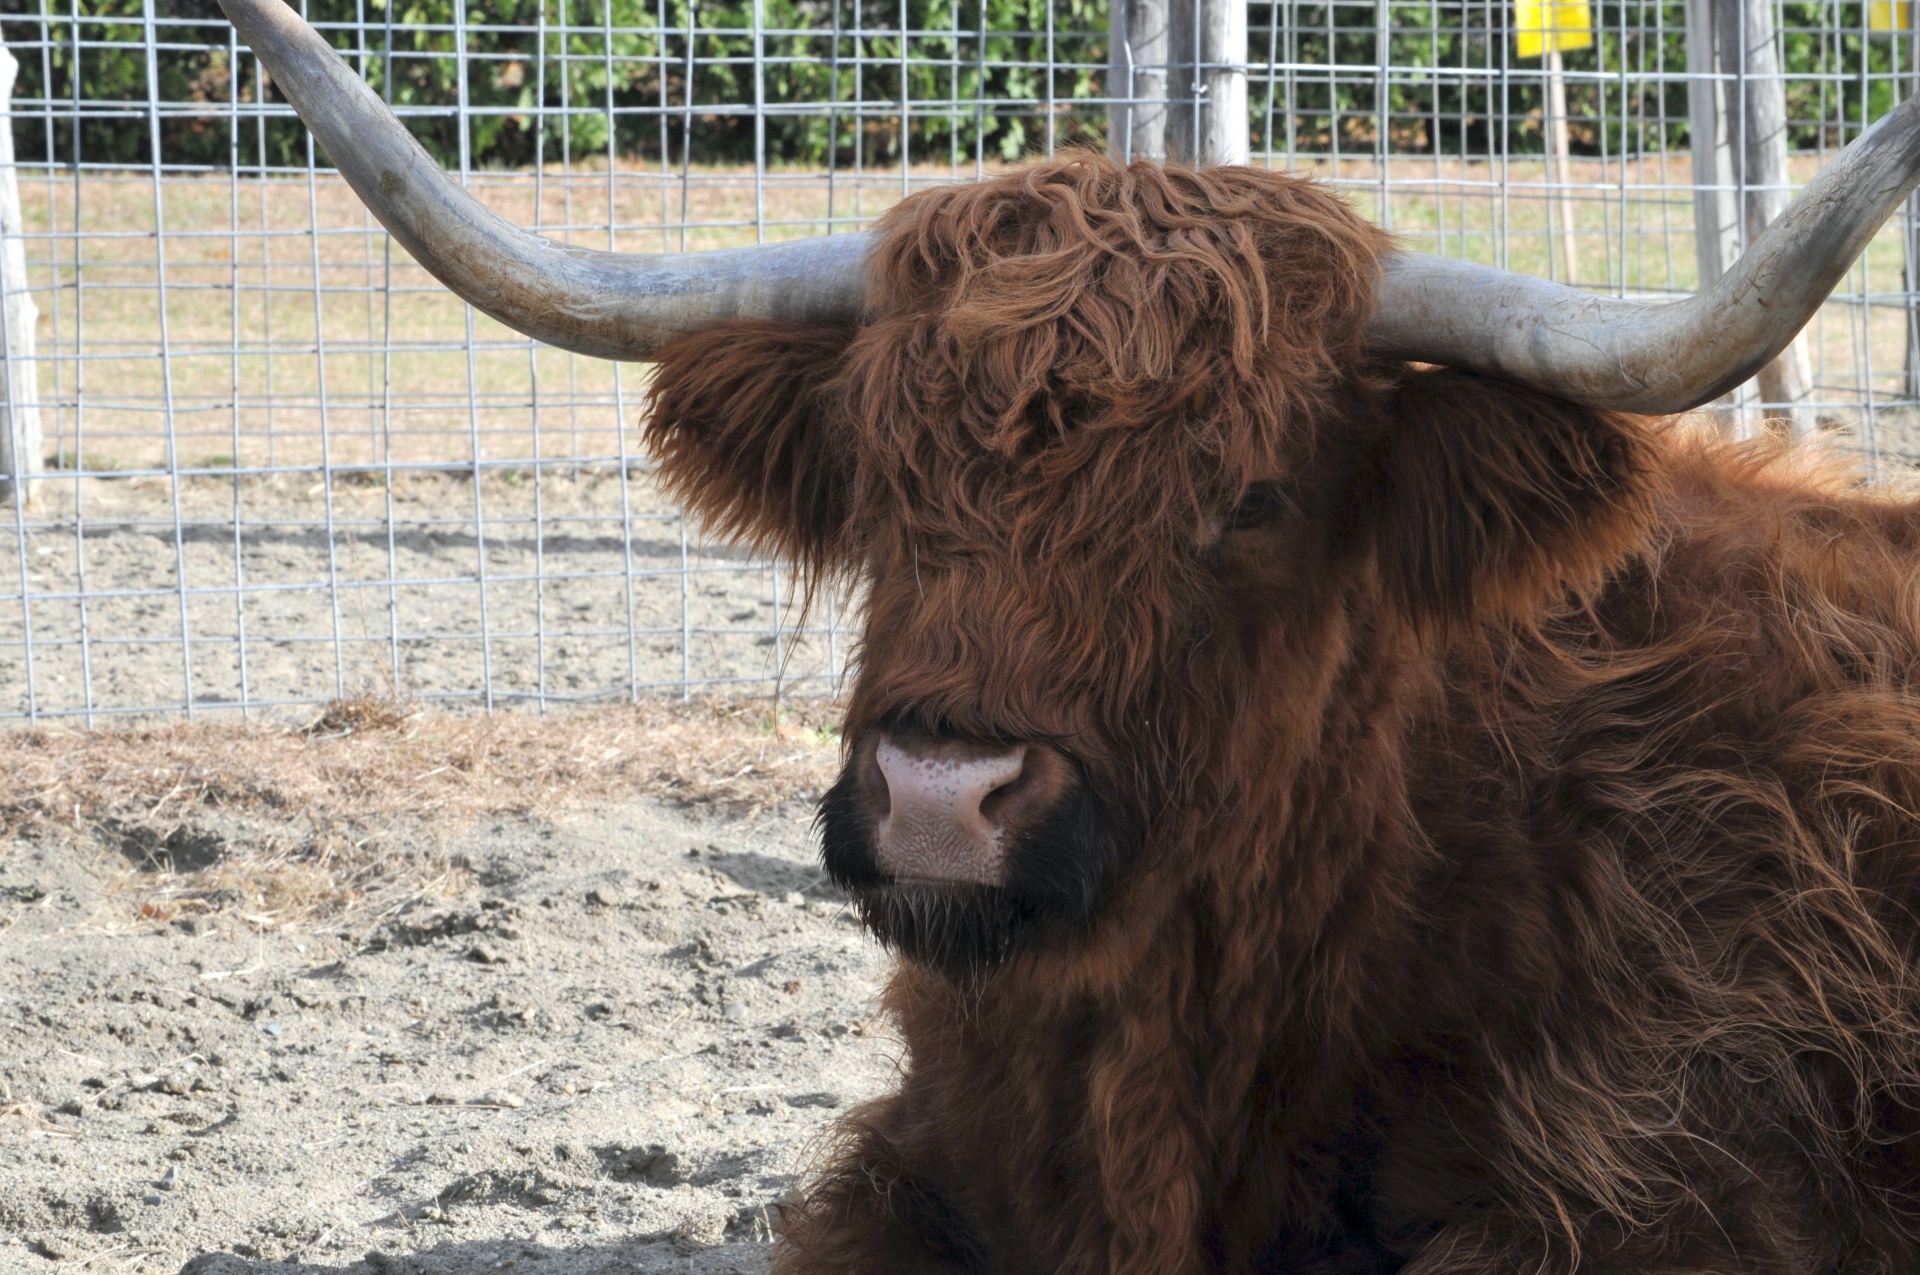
996	802
873	784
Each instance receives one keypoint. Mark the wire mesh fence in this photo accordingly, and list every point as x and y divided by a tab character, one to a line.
283	465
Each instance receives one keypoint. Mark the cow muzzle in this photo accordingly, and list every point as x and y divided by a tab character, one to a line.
950	811
959	852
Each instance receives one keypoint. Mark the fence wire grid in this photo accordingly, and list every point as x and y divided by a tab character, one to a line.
284	466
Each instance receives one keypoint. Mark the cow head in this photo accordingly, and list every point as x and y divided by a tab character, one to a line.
1124	459
1114	467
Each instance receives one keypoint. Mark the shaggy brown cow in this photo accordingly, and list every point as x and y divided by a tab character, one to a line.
1337	816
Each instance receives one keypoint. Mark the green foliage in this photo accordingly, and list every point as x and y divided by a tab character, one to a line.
105	74
1634	72
674	80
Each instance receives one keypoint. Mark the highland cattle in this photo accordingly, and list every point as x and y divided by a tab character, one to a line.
1354	787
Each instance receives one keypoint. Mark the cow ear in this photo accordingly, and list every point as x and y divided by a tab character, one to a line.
1491	500
742	424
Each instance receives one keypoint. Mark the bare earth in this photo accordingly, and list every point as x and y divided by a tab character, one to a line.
595	1039
287	593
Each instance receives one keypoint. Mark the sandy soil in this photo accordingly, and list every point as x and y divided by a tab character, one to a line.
599	1040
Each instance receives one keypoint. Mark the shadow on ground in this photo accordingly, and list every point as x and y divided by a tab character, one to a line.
627	1257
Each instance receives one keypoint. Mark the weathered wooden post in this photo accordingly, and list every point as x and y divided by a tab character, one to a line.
1207	82
1137	80
1716	230
1738	117
1560	149
1751	55
1899	19
20	437
1546	29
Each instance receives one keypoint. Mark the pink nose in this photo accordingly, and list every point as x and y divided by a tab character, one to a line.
946	810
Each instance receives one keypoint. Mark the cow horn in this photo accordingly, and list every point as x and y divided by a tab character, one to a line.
1655	359
614	305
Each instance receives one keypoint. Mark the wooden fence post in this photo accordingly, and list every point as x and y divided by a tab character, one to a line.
1207	82
1757	103
21	459
1738	119
1137	80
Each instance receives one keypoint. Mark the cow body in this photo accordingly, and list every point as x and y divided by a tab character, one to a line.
1476	834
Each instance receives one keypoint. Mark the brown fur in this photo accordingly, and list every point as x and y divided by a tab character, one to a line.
1526	857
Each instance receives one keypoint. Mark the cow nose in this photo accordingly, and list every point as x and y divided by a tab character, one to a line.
946	810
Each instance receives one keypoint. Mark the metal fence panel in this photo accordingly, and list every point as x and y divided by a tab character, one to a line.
286	466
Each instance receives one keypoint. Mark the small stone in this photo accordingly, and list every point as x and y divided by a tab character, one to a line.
820	1098
502	1098
657	1166
170	1180
735	1012
794	899
481	954
154	1197
703	1230
178	1083
56	1248
94	1082
71	1107
275	1029
606	896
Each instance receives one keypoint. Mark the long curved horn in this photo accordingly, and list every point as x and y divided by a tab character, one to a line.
614	305
1655	359
1602	351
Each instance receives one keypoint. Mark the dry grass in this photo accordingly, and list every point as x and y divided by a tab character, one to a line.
293	825
264	274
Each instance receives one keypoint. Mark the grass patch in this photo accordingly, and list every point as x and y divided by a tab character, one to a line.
82	462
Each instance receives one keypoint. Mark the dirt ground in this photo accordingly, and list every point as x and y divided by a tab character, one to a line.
598	1035
279	590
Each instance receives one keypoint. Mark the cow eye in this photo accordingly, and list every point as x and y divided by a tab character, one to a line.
1262	504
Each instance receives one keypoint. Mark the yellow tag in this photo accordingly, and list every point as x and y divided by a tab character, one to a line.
1890	15
1540	25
